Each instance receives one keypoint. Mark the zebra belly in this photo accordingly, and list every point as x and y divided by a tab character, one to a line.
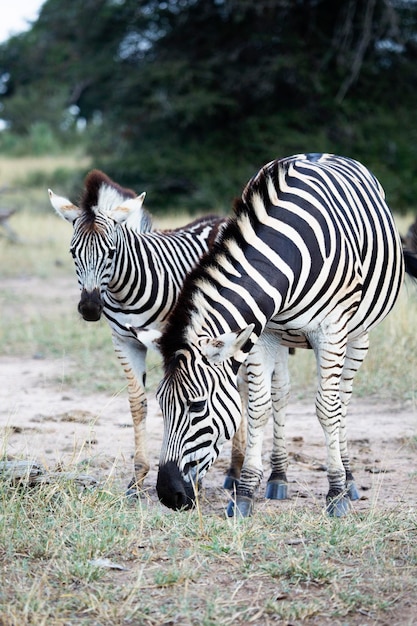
293	339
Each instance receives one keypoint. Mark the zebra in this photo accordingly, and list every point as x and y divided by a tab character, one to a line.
310	259
132	275
410	239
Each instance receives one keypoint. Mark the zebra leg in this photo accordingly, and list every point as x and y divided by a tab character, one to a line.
355	355
277	487
330	355
132	357
259	366
239	440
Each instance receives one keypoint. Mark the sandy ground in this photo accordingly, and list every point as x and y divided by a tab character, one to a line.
41	421
44	421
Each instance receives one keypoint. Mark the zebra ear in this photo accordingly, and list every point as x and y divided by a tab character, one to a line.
64	207
129	210
227	345
148	338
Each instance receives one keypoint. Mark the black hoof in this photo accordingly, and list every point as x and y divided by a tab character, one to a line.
338	506
352	491
133	490
276	490
230	483
242	506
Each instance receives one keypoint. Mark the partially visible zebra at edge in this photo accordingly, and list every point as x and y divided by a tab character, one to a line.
410	239
133	275
311	259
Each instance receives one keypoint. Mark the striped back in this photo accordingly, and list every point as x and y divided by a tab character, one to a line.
311	256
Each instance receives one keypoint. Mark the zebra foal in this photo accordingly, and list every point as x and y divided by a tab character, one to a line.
311	259
132	275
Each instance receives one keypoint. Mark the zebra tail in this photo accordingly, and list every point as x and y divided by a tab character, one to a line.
410	260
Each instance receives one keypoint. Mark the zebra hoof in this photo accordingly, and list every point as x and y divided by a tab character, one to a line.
352	491
276	490
230	483
132	494
241	507
132	491
338	506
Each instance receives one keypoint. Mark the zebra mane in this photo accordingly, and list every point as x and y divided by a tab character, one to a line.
102	193
173	337
259	192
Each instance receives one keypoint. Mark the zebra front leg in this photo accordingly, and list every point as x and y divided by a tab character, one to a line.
259	368
355	355
132	357
277	486
138	409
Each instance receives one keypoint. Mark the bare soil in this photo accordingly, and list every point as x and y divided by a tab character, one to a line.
56	427
44	421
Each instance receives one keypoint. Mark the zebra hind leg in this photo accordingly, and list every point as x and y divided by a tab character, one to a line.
239	440
330	348
356	351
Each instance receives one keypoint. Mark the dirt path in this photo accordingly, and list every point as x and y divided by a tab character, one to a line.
42	421
45	421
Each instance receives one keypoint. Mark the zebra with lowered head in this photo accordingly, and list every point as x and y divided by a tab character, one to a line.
311	259
133	275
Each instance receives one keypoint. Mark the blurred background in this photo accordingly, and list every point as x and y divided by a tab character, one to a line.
187	99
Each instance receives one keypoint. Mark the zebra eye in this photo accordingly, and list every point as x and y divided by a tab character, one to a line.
111	252
197	406
72	250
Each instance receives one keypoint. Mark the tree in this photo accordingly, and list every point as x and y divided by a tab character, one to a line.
187	98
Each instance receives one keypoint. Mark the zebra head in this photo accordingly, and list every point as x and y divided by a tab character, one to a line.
202	409
94	243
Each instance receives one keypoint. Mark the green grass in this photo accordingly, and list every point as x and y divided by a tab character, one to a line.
57	543
286	565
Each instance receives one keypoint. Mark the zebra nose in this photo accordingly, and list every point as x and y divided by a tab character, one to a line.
90	305
173	491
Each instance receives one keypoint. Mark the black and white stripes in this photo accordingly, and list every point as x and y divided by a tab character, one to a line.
311	259
130	274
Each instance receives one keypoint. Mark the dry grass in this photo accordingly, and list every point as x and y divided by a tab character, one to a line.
88	557
13	171
70	557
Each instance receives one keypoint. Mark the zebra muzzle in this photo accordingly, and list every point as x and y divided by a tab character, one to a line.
90	305
173	491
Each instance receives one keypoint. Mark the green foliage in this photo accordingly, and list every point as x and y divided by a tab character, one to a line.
188	99
40	140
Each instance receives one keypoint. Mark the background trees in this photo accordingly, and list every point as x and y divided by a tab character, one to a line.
188	98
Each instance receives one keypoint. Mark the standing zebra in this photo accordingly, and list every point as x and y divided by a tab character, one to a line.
133	276
311	259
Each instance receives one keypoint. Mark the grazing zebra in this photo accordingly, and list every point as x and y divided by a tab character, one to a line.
132	275
311	259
